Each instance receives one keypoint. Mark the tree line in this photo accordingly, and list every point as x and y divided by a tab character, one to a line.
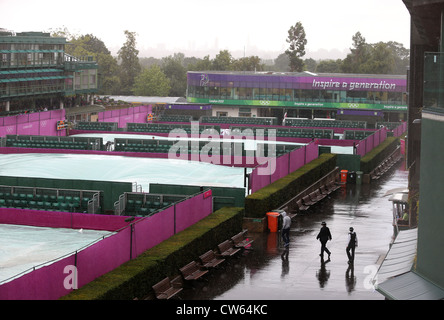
128	74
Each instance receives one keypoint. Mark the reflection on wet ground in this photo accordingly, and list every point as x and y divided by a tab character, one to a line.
267	272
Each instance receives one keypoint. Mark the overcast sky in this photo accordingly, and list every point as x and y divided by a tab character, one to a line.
202	27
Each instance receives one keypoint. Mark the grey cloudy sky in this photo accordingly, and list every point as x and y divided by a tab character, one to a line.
201	27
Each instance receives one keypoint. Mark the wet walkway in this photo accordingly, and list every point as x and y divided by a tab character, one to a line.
263	274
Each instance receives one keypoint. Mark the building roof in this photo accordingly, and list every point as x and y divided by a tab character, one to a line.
425	14
303	74
144	99
400	257
411	286
7	36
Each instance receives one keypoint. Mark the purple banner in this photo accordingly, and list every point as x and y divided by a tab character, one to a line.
342	83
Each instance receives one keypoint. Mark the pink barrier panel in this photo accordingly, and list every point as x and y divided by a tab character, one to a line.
376	138
192	210
258	178
285	164
54	219
399	130
45	283
103	256
127	115
297	159
151	231
360	149
368	144
312	152
39	123
402	146
280	168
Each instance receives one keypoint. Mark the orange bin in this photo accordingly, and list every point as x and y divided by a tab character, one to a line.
344	176
273	221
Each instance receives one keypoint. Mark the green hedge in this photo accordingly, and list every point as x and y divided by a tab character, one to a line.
136	277
373	158
282	190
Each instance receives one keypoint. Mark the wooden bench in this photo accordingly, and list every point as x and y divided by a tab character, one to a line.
226	249
301	207
166	289
319	195
314	197
193	271
210	260
307	200
375	174
240	241
324	190
332	186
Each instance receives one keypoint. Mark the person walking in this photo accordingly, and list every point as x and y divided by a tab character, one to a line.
323	236
286	223
352	244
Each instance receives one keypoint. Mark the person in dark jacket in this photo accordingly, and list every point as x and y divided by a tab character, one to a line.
323	236
352	244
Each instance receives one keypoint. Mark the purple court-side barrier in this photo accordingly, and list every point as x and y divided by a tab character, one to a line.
368	144
277	168
45	123
126	115
81	267
39	123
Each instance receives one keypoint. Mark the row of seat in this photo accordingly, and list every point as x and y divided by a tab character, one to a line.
44	202
164	129
97	126
384	167
325	123
239	120
138	208
192	149
357	135
40	205
79	145
316	195
169	288
174	118
306	134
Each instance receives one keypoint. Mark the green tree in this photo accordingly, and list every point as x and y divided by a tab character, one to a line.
377	58
329	66
401	57
109	81
174	70
152	82
223	61
204	64
129	66
90	45
282	63
381	60
252	63
360	53
310	64
296	50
